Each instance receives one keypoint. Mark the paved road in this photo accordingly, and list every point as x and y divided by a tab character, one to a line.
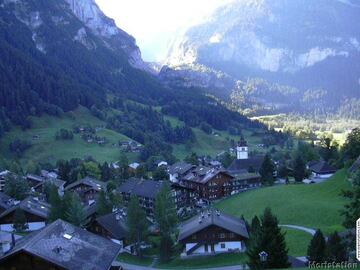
300	228
127	266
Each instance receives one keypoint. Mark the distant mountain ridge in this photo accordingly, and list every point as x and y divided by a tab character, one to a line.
308	45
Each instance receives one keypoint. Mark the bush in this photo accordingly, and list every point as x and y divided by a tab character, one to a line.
64	134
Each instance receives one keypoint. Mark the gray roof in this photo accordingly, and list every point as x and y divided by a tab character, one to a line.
141	187
68	246
114	223
88	181
241	165
213	217
57	182
31	205
322	167
202	174
355	166
180	168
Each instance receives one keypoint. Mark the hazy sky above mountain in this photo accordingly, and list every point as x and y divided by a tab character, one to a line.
155	23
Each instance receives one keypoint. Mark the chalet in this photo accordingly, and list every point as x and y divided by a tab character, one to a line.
213	232
6	202
3	176
178	170
208	183
355	166
321	169
245	181
112	226
36	214
38	183
87	188
61	245
243	163
145	190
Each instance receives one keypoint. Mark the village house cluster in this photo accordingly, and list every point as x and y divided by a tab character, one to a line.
205	230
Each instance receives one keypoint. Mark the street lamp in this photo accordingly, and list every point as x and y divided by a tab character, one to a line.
263	258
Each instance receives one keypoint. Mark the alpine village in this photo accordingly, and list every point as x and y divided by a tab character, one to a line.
107	162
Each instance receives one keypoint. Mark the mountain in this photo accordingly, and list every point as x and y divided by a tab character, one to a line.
57	56
308	46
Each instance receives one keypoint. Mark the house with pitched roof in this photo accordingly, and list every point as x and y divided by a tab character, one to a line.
36	214
112	226
145	190
87	188
213	232
321	169
178	170
61	245
207	183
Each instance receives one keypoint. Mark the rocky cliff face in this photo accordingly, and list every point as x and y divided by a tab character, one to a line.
304	44
90	14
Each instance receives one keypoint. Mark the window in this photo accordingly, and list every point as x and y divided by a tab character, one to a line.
222	245
193	237
232	235
222	235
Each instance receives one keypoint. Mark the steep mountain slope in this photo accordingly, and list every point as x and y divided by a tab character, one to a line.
308	45
58	55
51	60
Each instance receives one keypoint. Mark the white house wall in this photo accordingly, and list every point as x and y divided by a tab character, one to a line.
229	246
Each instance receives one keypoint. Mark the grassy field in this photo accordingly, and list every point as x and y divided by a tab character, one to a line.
47	149
127	258
297	241
206	262
314	206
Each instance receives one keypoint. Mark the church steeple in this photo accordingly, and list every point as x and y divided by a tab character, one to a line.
242	149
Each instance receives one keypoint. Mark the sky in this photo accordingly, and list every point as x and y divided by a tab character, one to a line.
154	23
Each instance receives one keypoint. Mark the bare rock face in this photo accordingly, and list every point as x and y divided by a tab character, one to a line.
90	14
304	44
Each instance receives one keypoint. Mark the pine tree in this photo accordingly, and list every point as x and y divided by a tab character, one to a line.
166	218
267	170
166	248
75	213
299	168
137	224
16	187
336	250
19	222
269	239
104	206
317	248
352	209
56	205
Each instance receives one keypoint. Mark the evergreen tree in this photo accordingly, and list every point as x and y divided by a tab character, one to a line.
56	205
336	249
267	170
351	210
166	248
166	218
165	211
105	172
137	224
299	168
75	212
270	239
104	205
160	174
19	222
16	187
317	248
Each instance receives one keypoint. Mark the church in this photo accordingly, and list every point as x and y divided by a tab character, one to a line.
245	169
243	163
